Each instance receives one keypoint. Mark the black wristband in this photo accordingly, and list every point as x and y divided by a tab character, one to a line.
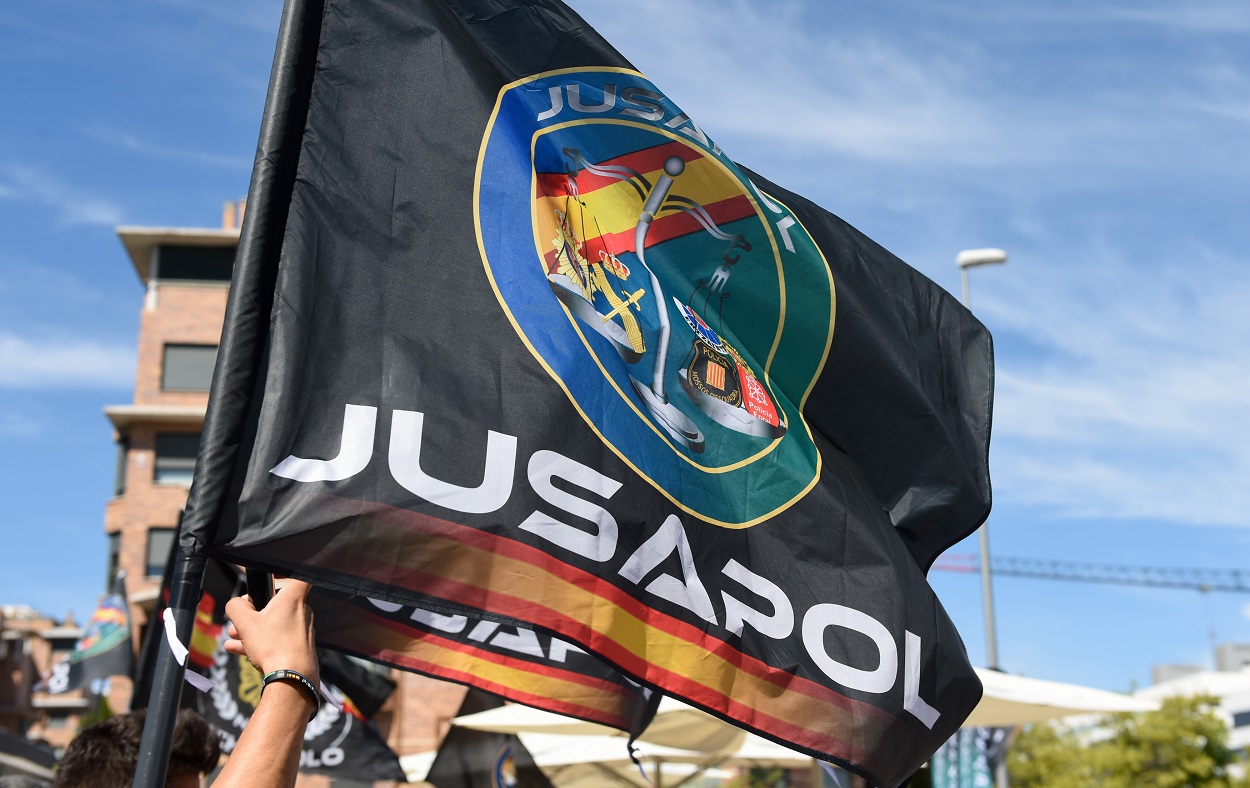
300	680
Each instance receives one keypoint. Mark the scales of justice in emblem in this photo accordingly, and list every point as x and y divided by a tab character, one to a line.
714	376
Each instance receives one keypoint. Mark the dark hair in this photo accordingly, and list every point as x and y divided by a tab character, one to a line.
196	748
104	755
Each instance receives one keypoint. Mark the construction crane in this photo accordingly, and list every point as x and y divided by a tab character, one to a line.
1205	580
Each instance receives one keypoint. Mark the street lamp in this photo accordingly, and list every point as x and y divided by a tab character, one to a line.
972	258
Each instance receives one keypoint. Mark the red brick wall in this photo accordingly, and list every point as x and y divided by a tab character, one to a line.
184	314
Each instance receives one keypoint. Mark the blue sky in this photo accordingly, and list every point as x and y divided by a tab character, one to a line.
1103	144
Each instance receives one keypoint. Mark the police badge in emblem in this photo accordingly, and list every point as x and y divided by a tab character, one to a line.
504	773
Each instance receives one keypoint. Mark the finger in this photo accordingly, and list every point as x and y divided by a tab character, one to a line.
234	646
232	631
296	590
240	607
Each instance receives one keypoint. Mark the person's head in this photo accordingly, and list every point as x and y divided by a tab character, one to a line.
104	755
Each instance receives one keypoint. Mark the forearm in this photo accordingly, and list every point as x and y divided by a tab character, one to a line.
268	751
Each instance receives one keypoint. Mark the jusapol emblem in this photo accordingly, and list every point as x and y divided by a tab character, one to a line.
712	373
644	269
504	773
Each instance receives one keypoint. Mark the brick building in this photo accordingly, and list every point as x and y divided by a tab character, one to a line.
29	644
186	273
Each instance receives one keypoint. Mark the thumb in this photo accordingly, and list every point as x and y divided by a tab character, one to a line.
295	590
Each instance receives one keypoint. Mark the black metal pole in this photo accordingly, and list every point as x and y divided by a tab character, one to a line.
158	729
259	588
241	350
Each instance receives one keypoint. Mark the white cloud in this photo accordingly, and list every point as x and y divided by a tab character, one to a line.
1135	402
127	141
810	87
41	288
839	92
37	40
64	362
245	14
1223	90
17	425
1229	17
22	183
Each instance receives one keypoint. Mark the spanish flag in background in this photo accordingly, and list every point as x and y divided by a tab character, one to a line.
208	627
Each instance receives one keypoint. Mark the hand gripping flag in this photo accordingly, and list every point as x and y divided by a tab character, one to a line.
220	582
508	330
341	741
105	648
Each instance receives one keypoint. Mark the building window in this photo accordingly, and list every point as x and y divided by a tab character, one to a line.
1241	719
188	367
160	540
194	263
115	549
123	455
175	457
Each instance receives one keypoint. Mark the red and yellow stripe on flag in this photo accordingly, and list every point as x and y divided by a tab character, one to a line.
543	673
476	569
350	707
606	216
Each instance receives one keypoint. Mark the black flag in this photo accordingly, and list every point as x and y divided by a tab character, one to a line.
105	648
365	690
509	330
481	759
340	741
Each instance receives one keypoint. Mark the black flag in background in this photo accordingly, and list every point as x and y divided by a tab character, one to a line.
481	759
510	331
340	741
104	650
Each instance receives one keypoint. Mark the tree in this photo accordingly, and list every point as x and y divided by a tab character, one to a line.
1183	745
100	712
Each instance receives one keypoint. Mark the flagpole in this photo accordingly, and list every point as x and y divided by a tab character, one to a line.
259	587
243	337
158	729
